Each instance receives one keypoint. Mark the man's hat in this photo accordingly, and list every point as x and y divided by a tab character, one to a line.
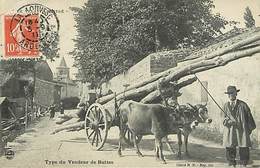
231	89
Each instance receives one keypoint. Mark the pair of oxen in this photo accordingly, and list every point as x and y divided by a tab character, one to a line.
160	121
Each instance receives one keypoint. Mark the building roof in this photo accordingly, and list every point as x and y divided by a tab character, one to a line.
43	71
2	99
63	62
224	41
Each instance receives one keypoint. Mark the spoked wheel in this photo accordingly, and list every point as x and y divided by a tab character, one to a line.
96	126
129	138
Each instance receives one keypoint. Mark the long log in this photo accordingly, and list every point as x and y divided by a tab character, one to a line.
155	95
211	55
187	69
62	119
77	125
207	64
211	63
66	117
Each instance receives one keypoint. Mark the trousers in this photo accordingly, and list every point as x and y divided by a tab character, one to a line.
243	153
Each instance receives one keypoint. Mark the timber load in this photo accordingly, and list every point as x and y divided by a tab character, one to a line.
215	55
225	49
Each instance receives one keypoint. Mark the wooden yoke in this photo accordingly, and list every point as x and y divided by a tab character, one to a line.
162	95
168	92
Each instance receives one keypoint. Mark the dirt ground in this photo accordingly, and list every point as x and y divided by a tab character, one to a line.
38	149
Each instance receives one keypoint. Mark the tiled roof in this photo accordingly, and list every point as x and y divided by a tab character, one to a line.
2	99
63	62
224	41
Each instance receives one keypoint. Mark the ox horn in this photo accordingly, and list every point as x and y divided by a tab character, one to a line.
205	104
191	106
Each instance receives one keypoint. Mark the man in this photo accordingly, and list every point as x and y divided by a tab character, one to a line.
238	125
81	113
61	108
52	111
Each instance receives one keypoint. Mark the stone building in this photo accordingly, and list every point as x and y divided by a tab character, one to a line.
69	88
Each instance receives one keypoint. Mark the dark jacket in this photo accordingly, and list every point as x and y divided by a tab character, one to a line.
238	127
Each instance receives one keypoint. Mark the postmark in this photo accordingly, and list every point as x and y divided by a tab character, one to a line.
32	28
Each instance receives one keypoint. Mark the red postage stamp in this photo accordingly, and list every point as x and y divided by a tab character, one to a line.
31	30
21	36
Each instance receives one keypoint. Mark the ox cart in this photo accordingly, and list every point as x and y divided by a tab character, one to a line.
102	115
99	119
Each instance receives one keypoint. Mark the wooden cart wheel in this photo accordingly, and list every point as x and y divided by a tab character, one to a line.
128	138
96	126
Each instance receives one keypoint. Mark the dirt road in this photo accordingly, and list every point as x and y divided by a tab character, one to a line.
38	149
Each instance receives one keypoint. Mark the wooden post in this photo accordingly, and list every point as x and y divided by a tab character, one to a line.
1	143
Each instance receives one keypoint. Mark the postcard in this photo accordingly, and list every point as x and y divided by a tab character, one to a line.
129	83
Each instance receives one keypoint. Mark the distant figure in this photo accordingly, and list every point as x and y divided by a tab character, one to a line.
38	112
238	125
82	111
52	111
61	108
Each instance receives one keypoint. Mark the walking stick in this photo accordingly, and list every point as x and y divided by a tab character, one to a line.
211	96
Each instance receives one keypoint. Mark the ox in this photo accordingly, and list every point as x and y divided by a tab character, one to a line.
146	119
192	116
156	119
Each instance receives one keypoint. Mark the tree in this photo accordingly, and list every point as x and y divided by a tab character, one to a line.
115	34
249	19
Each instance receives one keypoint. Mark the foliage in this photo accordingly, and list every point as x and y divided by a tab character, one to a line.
115	34
249	19
19	66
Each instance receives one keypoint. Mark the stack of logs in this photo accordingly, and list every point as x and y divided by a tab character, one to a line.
220	54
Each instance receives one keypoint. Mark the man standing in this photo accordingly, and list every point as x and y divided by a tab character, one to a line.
61	108
52	110
239	124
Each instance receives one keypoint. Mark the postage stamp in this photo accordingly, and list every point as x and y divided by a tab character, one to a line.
21	36
32	28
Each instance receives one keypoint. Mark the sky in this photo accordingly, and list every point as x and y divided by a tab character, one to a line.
230	9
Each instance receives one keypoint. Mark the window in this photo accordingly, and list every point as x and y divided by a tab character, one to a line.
204	94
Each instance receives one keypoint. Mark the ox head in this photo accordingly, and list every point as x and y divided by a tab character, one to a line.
200	113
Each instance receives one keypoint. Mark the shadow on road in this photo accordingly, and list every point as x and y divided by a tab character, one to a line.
198	152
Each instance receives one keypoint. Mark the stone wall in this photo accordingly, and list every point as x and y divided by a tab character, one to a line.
137	73
143	70
69	90
46	93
